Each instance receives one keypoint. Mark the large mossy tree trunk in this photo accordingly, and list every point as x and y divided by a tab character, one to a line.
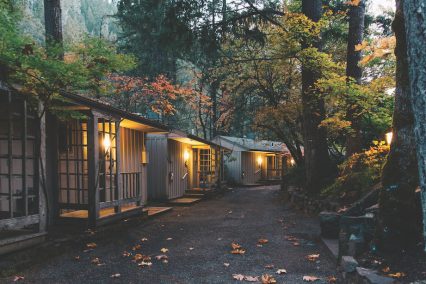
353	69
318	165
53	26
400	215
415	26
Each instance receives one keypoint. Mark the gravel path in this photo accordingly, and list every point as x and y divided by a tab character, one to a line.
198	239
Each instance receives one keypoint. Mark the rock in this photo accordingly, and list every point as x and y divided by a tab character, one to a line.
329	222
371	276
348	264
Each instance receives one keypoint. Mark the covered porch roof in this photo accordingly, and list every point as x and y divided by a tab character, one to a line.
128	119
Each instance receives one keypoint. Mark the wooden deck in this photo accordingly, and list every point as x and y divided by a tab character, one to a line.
83	214
184	201
152	211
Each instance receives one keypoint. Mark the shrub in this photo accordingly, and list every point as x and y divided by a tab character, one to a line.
358	174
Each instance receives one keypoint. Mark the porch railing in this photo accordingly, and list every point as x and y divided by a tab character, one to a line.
131	185
273	174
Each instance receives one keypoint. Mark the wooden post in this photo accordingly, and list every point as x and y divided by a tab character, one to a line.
118	179
41	171
93	163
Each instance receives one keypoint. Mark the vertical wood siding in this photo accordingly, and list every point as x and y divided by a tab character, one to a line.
176	165
157	166
131	148
233	167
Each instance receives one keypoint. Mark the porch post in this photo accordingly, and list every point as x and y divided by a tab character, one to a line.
93	171
118	180
42	185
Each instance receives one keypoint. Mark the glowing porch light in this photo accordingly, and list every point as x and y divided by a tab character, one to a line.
106	143
292	162
186	156
259	161
389	136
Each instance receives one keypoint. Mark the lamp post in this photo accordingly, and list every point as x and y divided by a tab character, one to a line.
389	136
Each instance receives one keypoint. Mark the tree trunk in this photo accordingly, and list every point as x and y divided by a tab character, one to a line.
53	25
415	25
353	70
318	165
397	198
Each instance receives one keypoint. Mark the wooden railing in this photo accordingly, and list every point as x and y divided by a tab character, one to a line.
273	174
131	185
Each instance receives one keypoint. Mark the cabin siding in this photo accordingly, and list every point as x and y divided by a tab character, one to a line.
233	169
131	147
157	166
176	165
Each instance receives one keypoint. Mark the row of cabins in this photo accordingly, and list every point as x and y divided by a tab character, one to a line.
90	163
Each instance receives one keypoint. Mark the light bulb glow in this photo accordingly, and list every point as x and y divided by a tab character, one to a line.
106	142
389	136
292	162
186	155
259	161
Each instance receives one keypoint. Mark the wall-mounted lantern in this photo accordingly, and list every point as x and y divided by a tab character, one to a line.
186	157
107	144
259	161
292	162
389	136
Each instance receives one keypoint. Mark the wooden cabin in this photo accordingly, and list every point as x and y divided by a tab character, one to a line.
183	162
97	162
250	162
22	156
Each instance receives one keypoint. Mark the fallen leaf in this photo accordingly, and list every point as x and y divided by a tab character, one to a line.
169	239
226	264
262	241
238	277
268	279
126	254
191	248
144	239
97	261
312	257
238	251
91	245
310	278
296	244
235	246
291	238
18	278
281	271
397	275
77	257
136	247
331	279
386	269
116	275
161	257
269	266
251	278
145	263
164	250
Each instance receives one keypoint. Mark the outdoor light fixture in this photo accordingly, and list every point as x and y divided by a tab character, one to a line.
389	136
186	157
259	161
292	162
107	143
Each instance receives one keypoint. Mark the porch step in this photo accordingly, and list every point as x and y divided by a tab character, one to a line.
184	201
21	242
333	246
154	211
194	195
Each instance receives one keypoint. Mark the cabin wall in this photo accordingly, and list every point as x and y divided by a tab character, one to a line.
131	148
177	185
233	167
250	167
157	167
